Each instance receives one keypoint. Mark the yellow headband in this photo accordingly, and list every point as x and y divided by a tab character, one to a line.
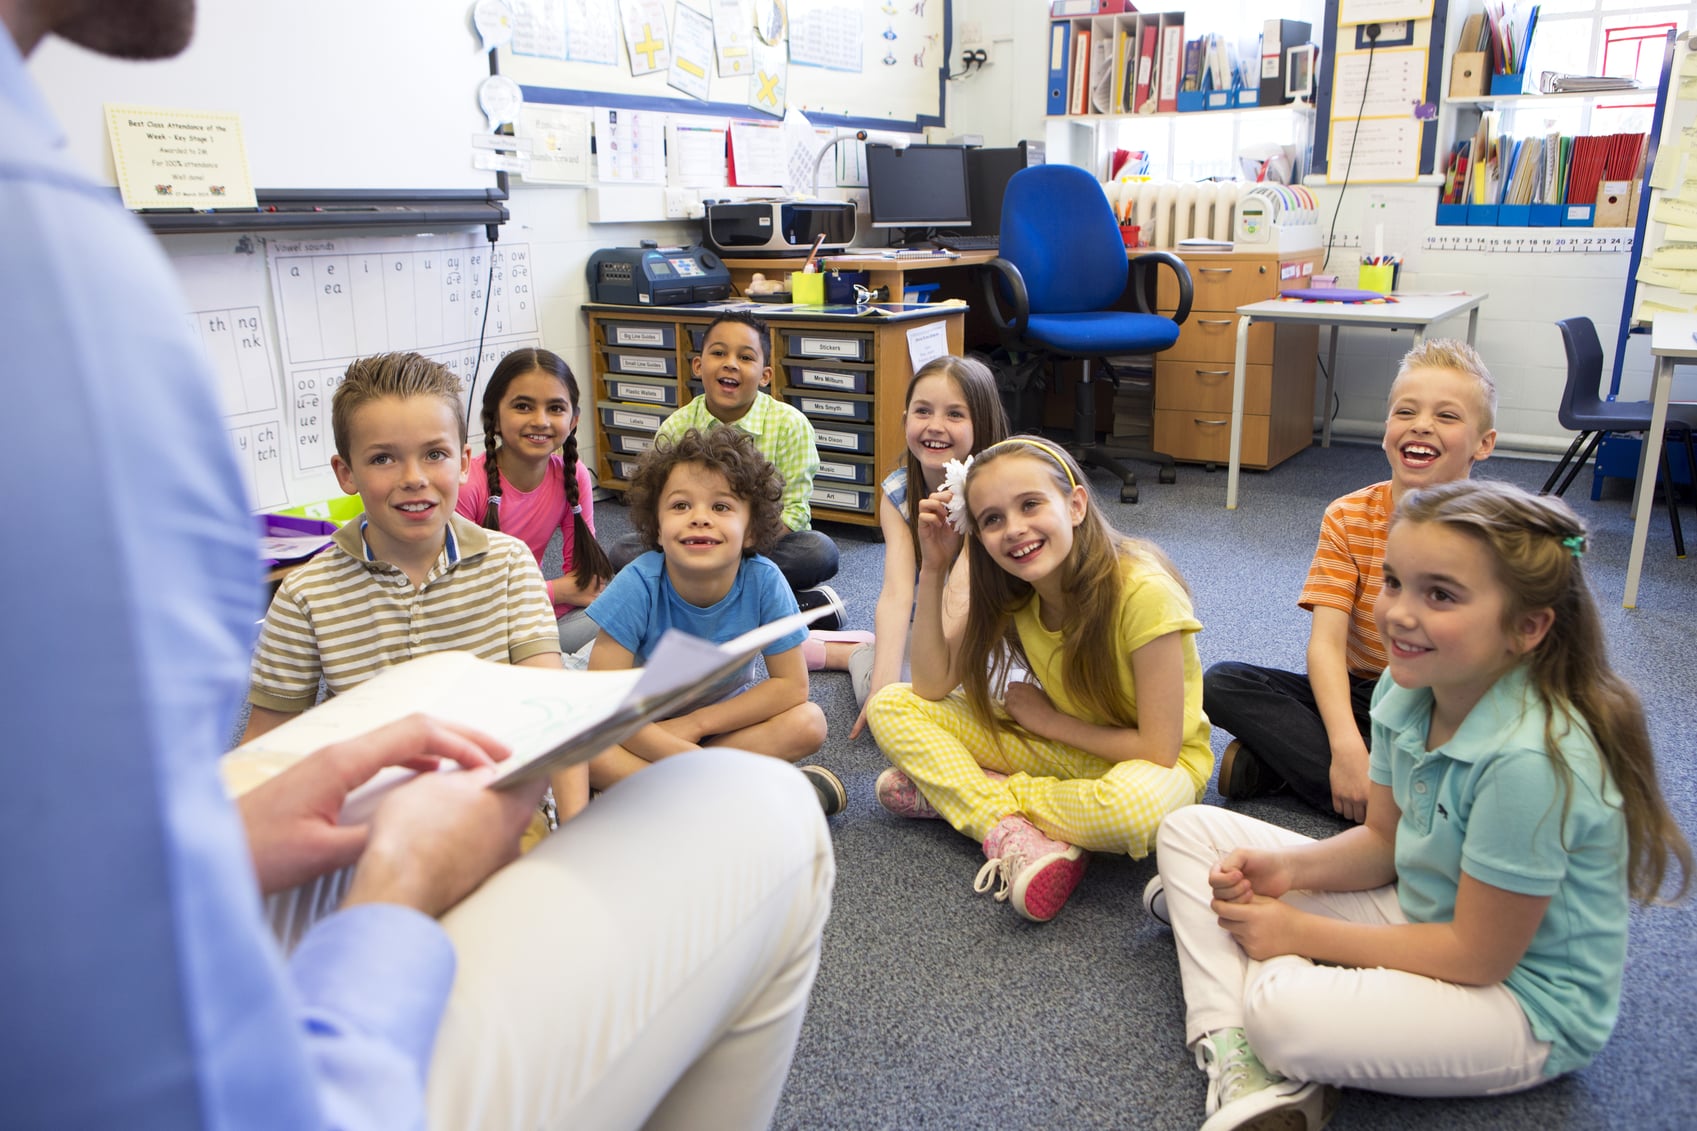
1043	446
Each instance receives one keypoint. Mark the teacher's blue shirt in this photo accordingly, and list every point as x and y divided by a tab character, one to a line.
139	985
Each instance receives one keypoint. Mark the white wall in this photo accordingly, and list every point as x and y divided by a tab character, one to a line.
1529	292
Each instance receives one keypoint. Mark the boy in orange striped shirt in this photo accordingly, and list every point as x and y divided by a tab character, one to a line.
1309	731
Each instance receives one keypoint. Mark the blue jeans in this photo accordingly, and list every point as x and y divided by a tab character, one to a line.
805	557
1273	713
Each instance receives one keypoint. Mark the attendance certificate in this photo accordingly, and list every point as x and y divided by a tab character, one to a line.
179	159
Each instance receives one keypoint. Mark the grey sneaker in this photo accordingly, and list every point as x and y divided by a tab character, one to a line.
1244	1096
833	798
1155	900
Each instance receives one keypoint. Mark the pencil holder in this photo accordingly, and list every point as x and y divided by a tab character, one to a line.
1379	277
807	288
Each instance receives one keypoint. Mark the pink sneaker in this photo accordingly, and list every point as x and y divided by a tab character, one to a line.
897	793
1037	872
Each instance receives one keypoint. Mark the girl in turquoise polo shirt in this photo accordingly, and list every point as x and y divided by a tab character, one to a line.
1468	939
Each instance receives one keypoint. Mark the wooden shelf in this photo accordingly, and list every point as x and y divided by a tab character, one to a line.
1301	107
1486	101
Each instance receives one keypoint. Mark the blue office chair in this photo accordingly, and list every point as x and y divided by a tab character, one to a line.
1062	269
1583	410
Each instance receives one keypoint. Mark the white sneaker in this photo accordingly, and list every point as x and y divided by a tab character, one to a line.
1244	1096
1155	900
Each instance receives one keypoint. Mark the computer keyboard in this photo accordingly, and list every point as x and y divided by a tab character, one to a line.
969	243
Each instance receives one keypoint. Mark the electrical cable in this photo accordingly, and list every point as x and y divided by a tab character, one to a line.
1372	33
488	300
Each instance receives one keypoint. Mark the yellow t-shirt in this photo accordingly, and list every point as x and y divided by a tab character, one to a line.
1152	604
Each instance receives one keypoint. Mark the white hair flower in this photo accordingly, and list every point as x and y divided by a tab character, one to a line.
954	481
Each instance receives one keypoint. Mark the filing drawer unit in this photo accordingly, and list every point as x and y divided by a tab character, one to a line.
1193	379
848	375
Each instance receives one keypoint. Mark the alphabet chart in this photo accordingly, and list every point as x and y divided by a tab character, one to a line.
339	299
280	321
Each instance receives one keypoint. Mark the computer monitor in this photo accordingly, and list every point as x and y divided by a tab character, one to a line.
987	172
920	186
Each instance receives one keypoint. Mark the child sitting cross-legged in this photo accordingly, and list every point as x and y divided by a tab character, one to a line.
1469	938
1106	735
410	576
705	505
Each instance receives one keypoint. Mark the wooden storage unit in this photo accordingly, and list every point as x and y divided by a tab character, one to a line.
1193	379
849	374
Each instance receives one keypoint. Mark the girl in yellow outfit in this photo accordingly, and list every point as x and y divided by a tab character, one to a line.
1103	739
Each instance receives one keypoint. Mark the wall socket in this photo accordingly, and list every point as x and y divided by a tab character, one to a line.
681	204
971	34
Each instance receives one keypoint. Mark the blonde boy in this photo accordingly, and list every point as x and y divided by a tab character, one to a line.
1309	731
409	577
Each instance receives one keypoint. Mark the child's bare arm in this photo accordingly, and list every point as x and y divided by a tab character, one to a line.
935	673
570	785
895	605
784	687
1157	669
1328	675
263	719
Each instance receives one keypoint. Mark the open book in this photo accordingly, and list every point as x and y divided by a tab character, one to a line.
550	719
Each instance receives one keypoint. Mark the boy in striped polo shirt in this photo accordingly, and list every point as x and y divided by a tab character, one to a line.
1309	731
409	577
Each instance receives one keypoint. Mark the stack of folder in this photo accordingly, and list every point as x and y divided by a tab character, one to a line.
1542	181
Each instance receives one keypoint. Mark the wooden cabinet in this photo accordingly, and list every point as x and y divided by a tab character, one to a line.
848	374
1193	379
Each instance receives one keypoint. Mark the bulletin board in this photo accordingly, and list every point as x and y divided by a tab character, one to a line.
860	64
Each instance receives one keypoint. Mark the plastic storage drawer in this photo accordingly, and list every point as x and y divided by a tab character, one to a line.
647	392
844	438
629	443
829	379
841	347
857	410
841	498
845	469
645	363
646	335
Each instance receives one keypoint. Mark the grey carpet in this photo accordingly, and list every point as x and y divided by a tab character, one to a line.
937	1007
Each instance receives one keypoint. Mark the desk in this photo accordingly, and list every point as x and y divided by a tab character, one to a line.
1415	312
884	272
847	372
1673	342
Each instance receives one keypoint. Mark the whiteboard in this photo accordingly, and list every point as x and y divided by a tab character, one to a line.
332	94
886	66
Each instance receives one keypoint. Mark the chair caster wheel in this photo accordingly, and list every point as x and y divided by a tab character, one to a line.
1168	475
1128	494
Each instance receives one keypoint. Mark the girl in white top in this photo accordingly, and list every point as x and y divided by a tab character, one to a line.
952	412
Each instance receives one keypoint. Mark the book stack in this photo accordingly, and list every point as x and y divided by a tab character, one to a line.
1545	180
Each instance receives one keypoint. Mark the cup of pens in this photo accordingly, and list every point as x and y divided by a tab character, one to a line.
1378	273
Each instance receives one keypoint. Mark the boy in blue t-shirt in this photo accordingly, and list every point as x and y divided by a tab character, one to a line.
704	506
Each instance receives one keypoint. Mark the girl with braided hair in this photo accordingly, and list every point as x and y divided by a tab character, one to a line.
526	485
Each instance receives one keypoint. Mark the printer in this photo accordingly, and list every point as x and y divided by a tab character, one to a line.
777	228
652	275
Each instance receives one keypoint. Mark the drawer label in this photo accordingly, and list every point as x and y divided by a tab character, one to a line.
827	408
827	380
639	336
831	469
834	439
830	347
634	444
635	363
631	391
639	420
849	499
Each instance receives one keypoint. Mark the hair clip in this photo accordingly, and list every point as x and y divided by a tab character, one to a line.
954	480
1575	544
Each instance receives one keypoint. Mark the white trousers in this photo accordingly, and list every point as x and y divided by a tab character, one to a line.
647	965
1383	1030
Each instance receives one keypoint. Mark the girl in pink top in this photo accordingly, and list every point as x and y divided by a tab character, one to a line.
528	487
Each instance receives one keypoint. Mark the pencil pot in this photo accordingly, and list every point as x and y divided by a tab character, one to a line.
1522	83
1129	234
807	288
1380	277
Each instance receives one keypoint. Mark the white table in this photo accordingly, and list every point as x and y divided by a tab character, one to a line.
1413	311
1673	342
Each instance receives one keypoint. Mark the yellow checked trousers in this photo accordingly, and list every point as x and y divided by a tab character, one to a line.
1070	795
